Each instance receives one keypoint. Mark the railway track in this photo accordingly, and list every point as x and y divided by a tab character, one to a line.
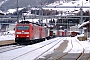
57	54
40	51
40	48
10	47
48	49
65	53
82	53
69	56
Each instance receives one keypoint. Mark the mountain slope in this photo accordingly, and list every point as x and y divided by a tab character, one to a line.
23	3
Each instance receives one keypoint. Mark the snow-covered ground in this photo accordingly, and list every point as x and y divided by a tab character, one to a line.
78	3
18	52
9	35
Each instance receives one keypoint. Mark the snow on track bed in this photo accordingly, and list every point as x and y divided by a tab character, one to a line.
47	50
70	53
58	52
77	53
32	51
9	48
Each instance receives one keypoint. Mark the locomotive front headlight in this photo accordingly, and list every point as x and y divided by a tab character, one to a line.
27	35
17	35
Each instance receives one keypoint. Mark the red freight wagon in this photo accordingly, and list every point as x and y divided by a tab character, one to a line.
61	33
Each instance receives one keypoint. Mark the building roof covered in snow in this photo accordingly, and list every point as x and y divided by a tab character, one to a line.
84	24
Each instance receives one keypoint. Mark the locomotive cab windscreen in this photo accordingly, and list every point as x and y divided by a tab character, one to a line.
22	28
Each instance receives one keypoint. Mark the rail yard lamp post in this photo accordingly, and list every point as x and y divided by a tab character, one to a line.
89	22
17	12
81	13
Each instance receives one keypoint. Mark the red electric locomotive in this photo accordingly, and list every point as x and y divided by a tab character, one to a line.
26	32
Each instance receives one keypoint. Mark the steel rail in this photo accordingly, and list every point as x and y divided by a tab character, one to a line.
47	50
58	58
82	53
33	50
9	48
78	58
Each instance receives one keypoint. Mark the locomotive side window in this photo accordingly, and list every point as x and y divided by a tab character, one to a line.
22	27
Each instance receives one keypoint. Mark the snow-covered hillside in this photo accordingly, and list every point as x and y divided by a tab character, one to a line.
78	3
1	2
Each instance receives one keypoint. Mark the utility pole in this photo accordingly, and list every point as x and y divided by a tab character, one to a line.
89	23
17	13
41	12
81	13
